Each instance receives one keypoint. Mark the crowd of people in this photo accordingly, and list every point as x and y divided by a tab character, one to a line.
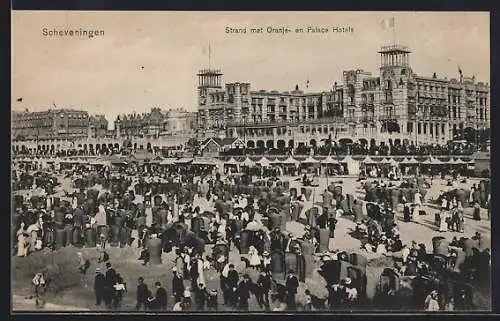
188	208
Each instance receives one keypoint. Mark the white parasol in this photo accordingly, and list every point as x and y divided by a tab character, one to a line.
296	229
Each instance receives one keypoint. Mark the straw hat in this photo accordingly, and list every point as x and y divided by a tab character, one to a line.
347	281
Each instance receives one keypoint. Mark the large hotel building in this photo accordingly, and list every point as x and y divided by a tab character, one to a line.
395	106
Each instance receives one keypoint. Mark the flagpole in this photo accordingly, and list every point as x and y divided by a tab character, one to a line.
394	31
209	56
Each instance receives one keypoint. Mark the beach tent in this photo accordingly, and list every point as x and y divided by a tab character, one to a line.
248	162
310	160
330	160
264	162
368	160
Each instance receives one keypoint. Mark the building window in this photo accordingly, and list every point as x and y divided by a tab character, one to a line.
419	128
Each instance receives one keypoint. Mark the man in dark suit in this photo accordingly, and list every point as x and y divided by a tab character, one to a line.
160	297
110	282
177	285
244	292
264	283
232	284
99	286
142	294
291	285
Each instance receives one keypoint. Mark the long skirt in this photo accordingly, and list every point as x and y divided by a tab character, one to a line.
20	246
477	214
443	226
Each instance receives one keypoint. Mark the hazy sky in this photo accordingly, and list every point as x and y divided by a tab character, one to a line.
105	75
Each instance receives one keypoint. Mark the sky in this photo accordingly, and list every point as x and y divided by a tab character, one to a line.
150	59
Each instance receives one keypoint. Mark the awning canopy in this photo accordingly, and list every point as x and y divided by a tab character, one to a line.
432	161
264	162
167	161
368	160
183	160
232	161
410	161
330	160
457	161
115	159
290	160
247	162
310	160
199	161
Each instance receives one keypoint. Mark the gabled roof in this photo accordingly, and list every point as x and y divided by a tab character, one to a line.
228	141
207	141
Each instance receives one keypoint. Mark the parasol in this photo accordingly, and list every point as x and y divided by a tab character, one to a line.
296	229
254	226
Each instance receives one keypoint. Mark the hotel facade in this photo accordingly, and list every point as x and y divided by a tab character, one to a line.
396	106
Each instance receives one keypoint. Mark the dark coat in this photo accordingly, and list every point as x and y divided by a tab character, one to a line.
99	282
177	286
244	290
264	282
322	220
142	293
232	279
110	277
292	284
161	298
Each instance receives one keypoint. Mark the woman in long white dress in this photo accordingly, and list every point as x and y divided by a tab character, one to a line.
21	241
254	257
416	214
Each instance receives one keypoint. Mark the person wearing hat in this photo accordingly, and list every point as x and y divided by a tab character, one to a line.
99	286
431	302
200	296
266	261
291	286
177	285
264	285
160	301
212	300
351	291
232	285
381	246
110	276
143	294
244	292
411	266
